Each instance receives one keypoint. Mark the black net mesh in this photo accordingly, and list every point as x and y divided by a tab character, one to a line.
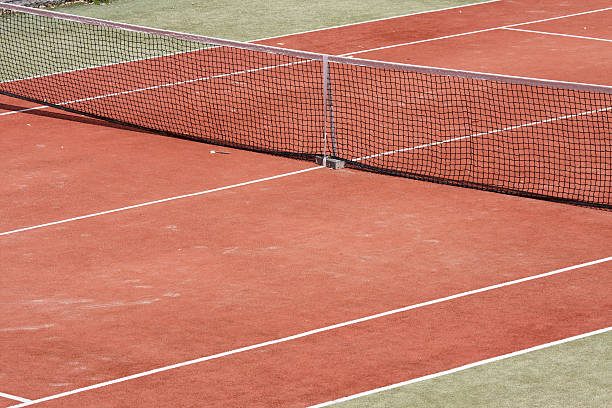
535	141
541	141
226	95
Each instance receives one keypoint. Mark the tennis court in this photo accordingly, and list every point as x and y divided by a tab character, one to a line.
144	270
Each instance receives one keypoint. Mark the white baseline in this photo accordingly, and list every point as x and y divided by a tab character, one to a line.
582	37
14	397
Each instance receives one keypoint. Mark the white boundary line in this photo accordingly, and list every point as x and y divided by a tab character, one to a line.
14	397
24	110
312	332
421	41
187	81
110	64
478	31
561	17
374	20
163	200
558	34
152	87
462	368
490	132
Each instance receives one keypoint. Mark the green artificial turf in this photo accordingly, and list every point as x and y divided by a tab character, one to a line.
575	374
251	19
37	46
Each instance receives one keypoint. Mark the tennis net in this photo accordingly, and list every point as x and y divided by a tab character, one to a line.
527	137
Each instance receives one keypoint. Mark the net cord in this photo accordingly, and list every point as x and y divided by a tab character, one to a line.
333	65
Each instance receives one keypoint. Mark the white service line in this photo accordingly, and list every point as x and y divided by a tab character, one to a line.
374	20
490	132
163	200
312	332
582	13
476	31
582	37
464	367
348	54
110	64
188	81
14	397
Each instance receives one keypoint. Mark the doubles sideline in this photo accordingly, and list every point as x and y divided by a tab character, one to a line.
311	332
461	368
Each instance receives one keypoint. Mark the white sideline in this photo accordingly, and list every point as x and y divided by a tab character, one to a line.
110	64
311	332
477	31
490	132
462	368
582	37
24	110
152	87
14	397
163	200
374	20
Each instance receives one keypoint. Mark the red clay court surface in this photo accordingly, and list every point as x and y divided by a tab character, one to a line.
94	300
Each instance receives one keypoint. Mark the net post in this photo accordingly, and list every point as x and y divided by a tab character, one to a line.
325	63
329	105
328	123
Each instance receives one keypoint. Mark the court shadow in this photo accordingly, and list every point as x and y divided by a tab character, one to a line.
68	116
